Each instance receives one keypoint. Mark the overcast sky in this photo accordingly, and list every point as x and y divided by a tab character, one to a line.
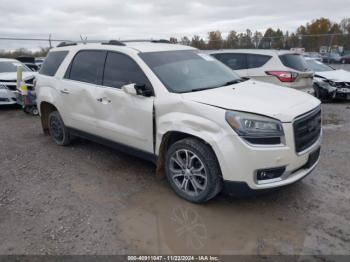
125	19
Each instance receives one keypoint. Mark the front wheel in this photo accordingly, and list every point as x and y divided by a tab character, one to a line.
193	170
58	130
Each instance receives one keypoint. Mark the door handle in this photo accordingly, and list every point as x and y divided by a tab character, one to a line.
104	100
65	91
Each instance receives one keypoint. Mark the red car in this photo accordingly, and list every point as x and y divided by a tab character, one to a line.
345	59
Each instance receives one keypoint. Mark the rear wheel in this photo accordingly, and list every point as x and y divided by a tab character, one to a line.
58	130
193	170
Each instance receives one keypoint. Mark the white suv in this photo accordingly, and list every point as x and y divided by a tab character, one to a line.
278	67
203	125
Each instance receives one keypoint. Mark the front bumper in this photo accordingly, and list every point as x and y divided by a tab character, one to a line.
240	161
7	97
342	93
327	91
241	189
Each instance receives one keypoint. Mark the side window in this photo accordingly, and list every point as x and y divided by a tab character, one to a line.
121	70
52	63
255	61
87	66
234	61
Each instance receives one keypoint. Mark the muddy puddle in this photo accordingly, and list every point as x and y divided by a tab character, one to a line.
158	222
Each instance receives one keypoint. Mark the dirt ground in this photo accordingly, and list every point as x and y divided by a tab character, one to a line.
89	199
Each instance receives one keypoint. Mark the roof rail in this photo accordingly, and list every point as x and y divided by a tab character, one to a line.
62	44
147	40
113	42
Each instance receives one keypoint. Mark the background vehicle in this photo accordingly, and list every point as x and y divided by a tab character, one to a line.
345	59
29	61
203	125
39	61
331	58
8	80
329	83
314	55
283	68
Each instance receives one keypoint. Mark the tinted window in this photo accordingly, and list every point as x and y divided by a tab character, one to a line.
11	66
255	61
318	66
188	71
294	61
121	70
52	63
234	61
87	66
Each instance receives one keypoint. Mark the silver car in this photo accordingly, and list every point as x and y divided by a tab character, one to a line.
280	67
8	80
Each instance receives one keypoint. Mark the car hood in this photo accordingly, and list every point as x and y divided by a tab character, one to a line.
251	96
335	75
13	76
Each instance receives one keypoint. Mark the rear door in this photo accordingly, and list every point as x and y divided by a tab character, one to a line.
121	117
236	61
78	89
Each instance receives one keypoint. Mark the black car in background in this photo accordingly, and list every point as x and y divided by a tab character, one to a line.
29	61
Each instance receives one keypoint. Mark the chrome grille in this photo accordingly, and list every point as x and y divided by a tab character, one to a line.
307	130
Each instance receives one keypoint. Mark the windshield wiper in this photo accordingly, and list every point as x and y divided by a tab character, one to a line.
201	89
235	81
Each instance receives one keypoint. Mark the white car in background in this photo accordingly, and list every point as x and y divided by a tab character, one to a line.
329	83
8	80
284	68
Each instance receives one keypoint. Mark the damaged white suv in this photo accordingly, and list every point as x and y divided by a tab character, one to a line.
203	125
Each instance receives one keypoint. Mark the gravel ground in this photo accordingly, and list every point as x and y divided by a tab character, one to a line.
89	199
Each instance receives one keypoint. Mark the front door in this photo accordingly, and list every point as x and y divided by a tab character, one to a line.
124	118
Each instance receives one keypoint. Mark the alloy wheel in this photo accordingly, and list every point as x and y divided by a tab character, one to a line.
188	172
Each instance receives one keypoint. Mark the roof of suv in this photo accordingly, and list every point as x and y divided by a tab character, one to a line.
142	47
252	51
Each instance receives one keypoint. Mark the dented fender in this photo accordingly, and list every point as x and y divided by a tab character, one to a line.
199	120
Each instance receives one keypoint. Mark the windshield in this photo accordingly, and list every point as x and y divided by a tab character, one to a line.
189	71
11	66
318	66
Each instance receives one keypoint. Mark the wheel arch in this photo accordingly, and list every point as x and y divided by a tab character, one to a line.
45	109
170	138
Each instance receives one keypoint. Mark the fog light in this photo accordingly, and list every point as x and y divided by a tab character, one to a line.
271	173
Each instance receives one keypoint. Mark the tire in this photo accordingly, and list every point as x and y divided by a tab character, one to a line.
35	111
58	130
200	179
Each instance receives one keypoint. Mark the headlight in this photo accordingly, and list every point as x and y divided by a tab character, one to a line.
333	83
256	129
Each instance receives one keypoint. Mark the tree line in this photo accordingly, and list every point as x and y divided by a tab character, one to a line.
25	52
313	35
319	32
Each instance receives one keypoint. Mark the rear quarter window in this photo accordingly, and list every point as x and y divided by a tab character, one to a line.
294	61
255	61
233	60
52	63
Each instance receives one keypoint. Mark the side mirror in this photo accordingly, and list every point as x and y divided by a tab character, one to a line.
129	89
138	89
